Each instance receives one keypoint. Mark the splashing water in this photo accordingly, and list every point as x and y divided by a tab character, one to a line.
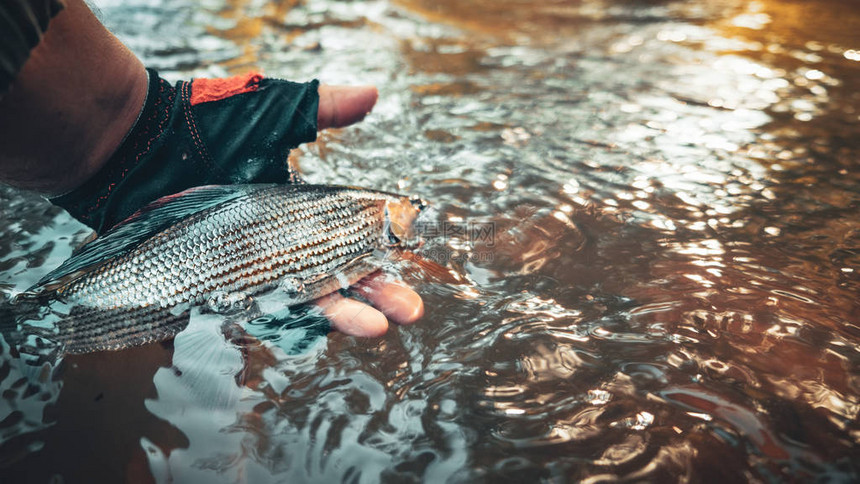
643	261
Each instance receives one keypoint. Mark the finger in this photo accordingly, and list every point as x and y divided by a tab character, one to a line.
344	105
352	317
396	301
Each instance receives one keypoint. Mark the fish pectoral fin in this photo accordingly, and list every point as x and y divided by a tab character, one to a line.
344	276
326	283
316	278
206	363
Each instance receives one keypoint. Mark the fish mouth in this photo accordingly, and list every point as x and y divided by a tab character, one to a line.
413	243
400	215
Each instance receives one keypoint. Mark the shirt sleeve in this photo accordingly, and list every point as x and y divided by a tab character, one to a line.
22	24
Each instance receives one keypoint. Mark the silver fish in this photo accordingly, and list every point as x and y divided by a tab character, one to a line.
217	246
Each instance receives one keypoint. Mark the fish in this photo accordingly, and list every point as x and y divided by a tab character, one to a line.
217	247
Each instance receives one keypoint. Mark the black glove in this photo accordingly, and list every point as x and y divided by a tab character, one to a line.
203	132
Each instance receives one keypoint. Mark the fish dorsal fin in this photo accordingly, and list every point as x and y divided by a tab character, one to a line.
143	224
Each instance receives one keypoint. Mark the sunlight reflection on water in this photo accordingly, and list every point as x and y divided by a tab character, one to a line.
670	291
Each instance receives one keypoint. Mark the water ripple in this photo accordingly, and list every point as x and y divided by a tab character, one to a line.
664	284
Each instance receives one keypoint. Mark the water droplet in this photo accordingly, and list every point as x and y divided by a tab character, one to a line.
225	303
292	286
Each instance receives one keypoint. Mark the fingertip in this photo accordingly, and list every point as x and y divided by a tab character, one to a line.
398	302
417	312
373	97
341	106
352	317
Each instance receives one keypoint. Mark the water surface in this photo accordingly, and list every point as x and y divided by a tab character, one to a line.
669	288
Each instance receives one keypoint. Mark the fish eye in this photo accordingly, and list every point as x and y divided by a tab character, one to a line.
391	240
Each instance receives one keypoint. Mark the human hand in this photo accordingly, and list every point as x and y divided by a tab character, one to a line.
389	299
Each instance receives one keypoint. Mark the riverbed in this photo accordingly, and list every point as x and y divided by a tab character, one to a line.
643	263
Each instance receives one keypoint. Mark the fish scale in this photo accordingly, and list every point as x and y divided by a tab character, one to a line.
237	251
243	241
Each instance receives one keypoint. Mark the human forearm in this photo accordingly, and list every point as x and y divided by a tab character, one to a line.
70	106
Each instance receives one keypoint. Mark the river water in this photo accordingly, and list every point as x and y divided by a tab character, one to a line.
644	256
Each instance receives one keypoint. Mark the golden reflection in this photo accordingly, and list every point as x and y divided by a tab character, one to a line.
551	363
632	447
640	421
598	397
579	427
499	18
248	21
438	57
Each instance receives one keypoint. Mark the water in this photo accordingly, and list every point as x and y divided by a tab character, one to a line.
647	221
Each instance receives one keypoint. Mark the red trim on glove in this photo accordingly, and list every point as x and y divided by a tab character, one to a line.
207	90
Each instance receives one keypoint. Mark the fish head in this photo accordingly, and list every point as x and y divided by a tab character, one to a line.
400	215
